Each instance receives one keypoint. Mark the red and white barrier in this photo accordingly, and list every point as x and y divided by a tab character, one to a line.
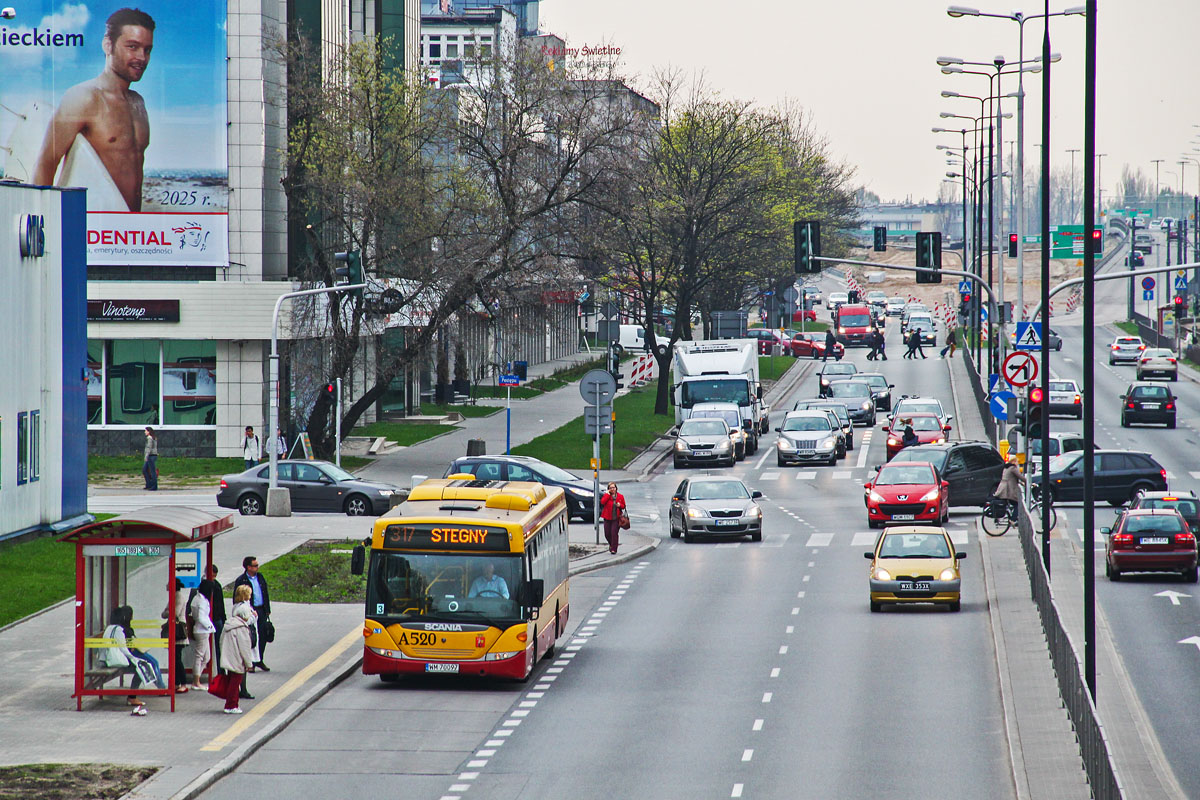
644	370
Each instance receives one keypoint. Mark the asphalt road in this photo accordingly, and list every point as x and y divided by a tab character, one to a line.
731	669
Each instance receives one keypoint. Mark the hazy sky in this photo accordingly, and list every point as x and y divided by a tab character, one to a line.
866	70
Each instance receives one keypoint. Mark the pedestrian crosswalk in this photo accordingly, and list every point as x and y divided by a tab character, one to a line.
806	475
959	534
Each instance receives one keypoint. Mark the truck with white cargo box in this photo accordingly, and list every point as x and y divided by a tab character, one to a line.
720	371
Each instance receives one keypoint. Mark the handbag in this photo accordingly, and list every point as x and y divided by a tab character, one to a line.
218	684
268	631
624	521
145	670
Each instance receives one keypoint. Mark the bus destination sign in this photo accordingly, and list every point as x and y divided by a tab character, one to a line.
445	536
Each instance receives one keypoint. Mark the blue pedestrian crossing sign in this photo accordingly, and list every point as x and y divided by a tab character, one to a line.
1181	280
1029	336
964	287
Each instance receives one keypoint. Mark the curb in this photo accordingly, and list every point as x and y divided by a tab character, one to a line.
619	559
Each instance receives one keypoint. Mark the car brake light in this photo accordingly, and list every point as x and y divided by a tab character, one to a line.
1131	405
224	485
1170	361
1122	539
1141	347
1163	473
1185	539
1170	406
1078	399
1116	347
1145	361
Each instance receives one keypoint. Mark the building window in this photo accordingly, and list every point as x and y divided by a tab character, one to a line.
22	447
189	383
435	51
451	50
468	50
35	445
95	382
131	382
485	50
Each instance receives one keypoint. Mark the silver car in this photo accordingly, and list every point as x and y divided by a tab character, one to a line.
807	436
703	441
716	507
1157	361
1126	350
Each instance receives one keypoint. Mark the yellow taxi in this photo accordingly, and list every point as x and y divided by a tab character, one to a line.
915	564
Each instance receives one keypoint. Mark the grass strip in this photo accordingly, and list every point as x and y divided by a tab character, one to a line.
434	410
318	571
772	368
403	433
174	472
34	574
70	781
637	426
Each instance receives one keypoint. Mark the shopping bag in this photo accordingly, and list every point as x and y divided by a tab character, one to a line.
218	684
145	671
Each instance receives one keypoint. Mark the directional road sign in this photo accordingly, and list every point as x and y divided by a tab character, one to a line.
1029	336
1020	368
999	404
598	387
1148	294
509	380
1148	283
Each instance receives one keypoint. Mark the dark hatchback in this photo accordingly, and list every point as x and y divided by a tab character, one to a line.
1119	476
579	492
1150	540
313	486
971	468
1148	402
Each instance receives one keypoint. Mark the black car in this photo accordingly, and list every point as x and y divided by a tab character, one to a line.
1185	502
1149	403
579	492
313	486
859	400
1119	476
971	468
833	372
879	387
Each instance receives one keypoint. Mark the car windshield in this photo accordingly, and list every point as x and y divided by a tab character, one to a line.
702	427
854	320
932	455
1185	507
920	324
899	301
806	424
876	381
450	587
717	490
1158	523
730	417
839	369
849	389
1062	386
1151	392
914	545
915	406
837	408
1128	341
1158	352
552	472
922	423
336	472
1035	446
892	475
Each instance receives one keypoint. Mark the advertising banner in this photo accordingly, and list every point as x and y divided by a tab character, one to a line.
129	103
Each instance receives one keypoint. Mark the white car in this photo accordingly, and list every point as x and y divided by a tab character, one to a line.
837	299
1157	361
895	306
876	298
1066	399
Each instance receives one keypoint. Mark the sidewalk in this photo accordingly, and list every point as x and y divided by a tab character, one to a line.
1045	757
317	646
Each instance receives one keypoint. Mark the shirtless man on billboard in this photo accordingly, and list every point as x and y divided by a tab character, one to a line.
100	128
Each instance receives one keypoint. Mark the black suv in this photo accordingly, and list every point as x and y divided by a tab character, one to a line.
579	492
1148	402
971	468
1119	476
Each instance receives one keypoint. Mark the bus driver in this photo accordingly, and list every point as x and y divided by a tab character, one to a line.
489	584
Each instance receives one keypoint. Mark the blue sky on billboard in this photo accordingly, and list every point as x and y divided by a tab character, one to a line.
184	85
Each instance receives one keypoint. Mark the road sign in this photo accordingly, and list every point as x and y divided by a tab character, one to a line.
609	309
1181	280
993	380
1029	336
1020	368
597	419
598	387
1148	283
983	313
509	380
998	405
964	287
1148	294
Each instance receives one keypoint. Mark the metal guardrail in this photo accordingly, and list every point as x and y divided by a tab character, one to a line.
1093	744
980	393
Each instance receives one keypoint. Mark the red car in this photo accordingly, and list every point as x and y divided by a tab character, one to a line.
906	491
812	345
1150	540
808	314
767	338
929	428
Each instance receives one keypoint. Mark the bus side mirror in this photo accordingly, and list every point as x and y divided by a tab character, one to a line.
534	591
358	560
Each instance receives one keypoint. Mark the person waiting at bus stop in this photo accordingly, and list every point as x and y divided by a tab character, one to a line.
489	584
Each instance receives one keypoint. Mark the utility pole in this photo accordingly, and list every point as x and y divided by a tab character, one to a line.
1156	162
1072	151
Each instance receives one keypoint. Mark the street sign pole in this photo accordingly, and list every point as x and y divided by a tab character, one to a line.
507	420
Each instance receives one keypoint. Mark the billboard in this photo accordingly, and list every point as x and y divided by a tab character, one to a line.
129	103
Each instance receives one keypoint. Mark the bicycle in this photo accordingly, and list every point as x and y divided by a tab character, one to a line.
997	516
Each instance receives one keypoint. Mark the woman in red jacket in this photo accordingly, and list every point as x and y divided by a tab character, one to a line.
612	507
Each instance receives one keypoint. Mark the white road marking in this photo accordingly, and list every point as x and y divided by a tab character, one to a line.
790	629
795	612
775	672
769	476
840	476
766	697
863	538
819	540
747	755
959	536
783	650
862	455
800	595
1195	475
758	723
812	563
737	790
477	764
807	475
758	464
805	579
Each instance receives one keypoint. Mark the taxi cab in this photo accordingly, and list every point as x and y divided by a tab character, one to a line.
915	564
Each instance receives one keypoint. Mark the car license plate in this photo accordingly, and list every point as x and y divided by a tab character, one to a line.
441	667
806	452
1149	406
1154	540
904	517
702	453
723	522
915	586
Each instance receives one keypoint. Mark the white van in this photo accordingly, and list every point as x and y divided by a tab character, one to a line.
632	339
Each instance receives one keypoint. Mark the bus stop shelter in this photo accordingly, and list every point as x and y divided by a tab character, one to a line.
133	559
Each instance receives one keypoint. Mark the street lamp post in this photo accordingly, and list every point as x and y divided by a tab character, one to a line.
1157	191
1072	151
1099	186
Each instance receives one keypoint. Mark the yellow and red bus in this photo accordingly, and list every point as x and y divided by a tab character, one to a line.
466	576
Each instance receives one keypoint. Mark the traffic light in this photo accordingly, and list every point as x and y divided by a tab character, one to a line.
330	392
348	267
929	257
614	366
880	238
1012	245
1180	307
807	240
1095	234
1035	413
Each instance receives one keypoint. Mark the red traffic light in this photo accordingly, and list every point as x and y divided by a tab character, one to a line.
1012	237
329	388
1178	299
1036	395
1095	233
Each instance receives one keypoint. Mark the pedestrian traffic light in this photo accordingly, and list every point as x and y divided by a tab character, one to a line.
614	366
929	257
348	268
880	238
1180	307
329	390
1012	245
807	240
1096	234
1035	413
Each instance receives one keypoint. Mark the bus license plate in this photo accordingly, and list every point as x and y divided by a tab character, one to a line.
729	522
904	517
441	667
1154	540
916	586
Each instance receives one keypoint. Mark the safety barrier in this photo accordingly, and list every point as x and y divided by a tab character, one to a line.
643	371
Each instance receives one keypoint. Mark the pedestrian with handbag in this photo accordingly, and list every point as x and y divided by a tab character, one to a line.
612	511
178	617
260	601
237	653
202	630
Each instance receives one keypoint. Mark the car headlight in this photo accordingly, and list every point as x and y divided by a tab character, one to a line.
824	382
948	574
866	406
892	440
784	443
882	574
386	492
721	447
930	496
828	444
939	441
680	444
696	513
876	497
579	492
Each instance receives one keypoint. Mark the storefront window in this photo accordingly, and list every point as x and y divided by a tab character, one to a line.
189	382
131	381
95	381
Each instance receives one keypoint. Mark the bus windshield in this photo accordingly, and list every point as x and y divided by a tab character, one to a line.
727	390
444	587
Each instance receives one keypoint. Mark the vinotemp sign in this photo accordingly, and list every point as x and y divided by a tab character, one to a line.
133	311
154	162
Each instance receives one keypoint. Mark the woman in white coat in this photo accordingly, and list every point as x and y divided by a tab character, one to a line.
237	653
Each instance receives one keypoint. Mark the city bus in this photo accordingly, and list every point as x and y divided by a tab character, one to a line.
466	577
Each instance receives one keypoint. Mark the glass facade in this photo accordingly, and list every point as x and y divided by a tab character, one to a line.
526	11
143	382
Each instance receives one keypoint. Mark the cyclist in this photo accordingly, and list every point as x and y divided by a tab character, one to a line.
1009	488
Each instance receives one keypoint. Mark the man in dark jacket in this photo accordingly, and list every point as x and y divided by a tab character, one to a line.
218	612
260	601
830	344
